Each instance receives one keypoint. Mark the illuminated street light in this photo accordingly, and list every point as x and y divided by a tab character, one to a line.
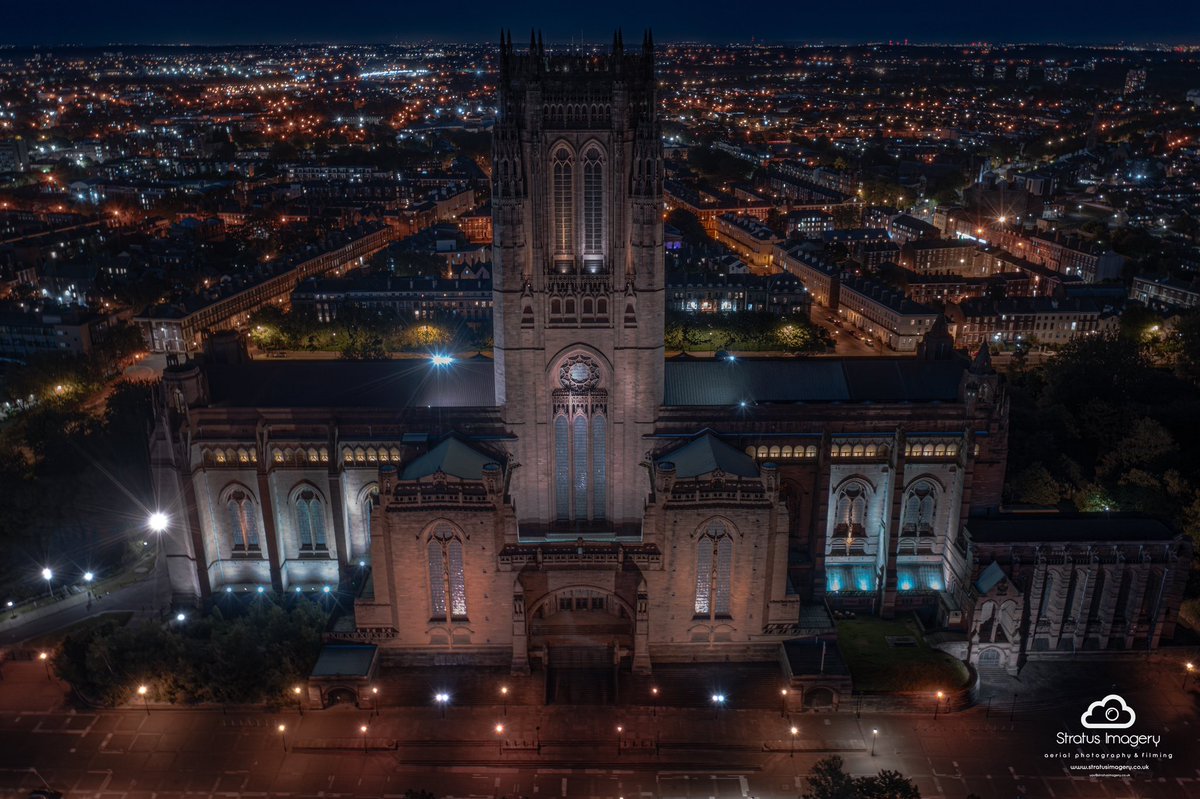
298	692
45	658
442	698
363	730
783	694
937	703
499	728
795	731
1190	670
283	735
874	737
504	698
620	738
654	693
441	360
180	616
158	522
142	692
375	700
88	577
718	701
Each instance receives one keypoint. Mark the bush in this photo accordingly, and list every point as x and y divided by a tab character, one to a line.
252	656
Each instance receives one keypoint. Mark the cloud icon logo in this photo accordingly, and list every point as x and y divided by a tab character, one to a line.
1109	713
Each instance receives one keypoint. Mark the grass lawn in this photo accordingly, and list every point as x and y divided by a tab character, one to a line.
875	666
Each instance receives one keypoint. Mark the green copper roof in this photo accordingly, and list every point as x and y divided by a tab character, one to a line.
707	453
452	457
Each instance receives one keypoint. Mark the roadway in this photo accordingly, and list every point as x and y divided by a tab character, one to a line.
994	751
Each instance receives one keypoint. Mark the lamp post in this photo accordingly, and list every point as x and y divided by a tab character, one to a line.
794	731
937	703
1190	669
783	695
874	737
298	692
620	738
158	523
504	698
45	658
499	728
48	576
654	695
363	729
142	691
374	700
283	735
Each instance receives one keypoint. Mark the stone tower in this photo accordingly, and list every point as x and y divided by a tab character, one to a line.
578	277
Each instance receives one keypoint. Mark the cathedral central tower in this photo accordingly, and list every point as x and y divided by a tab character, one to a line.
578	277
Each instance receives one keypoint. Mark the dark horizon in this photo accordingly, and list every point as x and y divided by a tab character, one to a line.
225	23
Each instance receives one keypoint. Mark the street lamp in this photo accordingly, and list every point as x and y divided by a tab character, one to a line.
298	693
937	703
620	737
374	700
142	691
158	522
442	698
783	694
45	658
499	728
48	575
363	730
874	736
504	697
1191	669
654	694
283	735
794	731
718	701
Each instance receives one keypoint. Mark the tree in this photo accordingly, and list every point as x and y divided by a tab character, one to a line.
828	780
1035	486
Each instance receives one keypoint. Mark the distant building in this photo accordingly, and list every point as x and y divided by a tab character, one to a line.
14	155
782	294
753	241
938	256
1135	81
67	331
906	228
1165	292
1031	320
809	224
409	297
819	276
884	314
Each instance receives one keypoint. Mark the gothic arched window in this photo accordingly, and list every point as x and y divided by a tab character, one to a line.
563	187
447	575
580	442
367	506
593	207
714	571
851	511
310	521
919	508
243	521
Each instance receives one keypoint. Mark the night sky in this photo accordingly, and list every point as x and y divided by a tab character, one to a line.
848	21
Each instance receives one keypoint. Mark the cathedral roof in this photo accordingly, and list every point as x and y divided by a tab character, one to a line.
410	382
990	578
1052	527
788	380
707	453
452	457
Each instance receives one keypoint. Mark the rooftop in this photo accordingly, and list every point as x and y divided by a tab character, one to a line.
1067	527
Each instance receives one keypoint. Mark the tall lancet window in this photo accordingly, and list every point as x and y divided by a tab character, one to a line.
447	575
714	571
580	443
563	186
593	209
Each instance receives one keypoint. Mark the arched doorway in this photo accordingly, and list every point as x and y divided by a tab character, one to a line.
585	632
341	695
818	698
989	658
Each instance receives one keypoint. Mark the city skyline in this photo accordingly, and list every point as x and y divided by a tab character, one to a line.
144	23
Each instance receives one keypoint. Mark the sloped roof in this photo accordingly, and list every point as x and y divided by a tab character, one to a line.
407	382
990	578
452	457
1004	528
707	453
788	380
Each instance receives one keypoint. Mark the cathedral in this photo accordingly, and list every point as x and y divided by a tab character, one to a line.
578	496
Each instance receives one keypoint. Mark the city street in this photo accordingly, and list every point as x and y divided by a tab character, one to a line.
996	750
846	338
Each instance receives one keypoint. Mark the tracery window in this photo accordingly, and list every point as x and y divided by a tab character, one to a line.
243	521
580	442
714	571
447	575
593	206
562	176
310	521
851	511
919	509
